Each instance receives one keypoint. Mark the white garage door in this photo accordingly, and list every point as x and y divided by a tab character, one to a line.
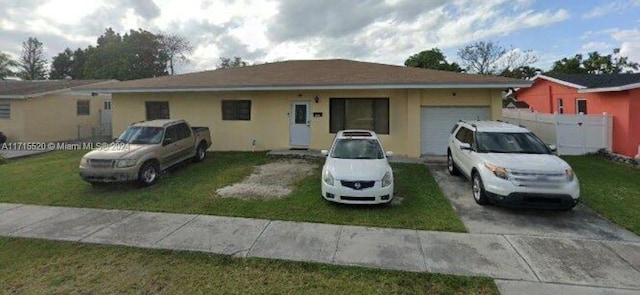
438	121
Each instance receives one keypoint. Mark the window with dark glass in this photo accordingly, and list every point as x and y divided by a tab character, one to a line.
560	106
359	113
301	114
236	110
581	106
5	110
157	110
83	107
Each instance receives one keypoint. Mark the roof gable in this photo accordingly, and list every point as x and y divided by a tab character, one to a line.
310	74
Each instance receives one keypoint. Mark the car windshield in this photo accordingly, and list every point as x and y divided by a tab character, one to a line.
357	148
501	142
141	135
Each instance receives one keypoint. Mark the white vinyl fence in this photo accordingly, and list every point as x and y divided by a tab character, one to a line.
573	134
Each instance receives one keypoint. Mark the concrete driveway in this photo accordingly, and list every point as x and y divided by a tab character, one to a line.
580	223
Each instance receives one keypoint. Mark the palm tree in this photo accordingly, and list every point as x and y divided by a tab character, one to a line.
6	65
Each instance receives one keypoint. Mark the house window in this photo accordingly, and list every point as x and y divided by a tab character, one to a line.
107	105
157	110
581	106
359	113
236	110
5	110
83	107
560	106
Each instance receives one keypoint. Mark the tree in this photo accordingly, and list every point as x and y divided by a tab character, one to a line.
32	60
595	64
62	65
176	48
523	72
432	59
482	57
227	63
7	64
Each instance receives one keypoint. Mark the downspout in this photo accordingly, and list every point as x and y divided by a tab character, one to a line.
550	100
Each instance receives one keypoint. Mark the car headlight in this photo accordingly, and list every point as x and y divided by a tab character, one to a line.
327	178
124	163
498	171
570	174
387	180
84	161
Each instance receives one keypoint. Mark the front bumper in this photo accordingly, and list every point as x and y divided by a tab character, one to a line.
346	195
504	192
109	175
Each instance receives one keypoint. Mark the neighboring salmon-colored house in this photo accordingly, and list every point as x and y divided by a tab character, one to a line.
615	94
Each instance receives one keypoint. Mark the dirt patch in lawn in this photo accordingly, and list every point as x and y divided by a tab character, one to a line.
270	181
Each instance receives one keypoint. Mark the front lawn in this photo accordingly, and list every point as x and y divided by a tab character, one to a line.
611	189
46	267
52	179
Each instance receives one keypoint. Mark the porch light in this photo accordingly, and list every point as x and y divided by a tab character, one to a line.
316	99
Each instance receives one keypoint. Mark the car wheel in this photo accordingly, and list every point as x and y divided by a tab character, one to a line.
201	153
451	165
148	174
479	194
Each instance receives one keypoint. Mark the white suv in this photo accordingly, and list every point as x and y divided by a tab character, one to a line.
356	170
509	165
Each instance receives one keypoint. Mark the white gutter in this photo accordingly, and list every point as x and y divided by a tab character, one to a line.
562	82
38	94
310	87
608	89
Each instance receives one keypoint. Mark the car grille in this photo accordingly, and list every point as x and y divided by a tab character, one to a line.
361	199
538	178
358	185
96	163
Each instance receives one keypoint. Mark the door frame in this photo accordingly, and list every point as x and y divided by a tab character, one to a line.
292	122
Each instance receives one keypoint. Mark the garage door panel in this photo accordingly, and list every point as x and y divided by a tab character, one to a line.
436	123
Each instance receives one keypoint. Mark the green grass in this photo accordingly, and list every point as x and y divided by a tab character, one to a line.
52	179
46	267
612	189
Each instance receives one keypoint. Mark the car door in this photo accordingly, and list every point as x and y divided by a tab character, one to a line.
185	142
463	159
170	149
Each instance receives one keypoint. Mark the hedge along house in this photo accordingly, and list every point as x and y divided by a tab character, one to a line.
47	110
302	104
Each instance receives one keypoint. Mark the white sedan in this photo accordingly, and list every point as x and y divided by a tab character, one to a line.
356	170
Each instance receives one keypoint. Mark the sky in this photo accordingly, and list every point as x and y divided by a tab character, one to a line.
383	31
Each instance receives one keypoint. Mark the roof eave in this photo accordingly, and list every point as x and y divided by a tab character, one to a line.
523	84
610	89
561	82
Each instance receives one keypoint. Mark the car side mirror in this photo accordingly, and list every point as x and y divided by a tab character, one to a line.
465	146
389	154
553	148
324	153
167	141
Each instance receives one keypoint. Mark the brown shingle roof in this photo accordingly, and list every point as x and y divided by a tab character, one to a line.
310	73
18	89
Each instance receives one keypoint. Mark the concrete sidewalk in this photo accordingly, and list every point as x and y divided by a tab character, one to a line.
519	263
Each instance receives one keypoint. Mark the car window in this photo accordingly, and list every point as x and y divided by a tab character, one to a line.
462	134
183	131
359	148
503	142
172	132
141	135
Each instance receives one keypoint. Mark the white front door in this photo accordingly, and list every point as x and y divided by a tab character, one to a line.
299	124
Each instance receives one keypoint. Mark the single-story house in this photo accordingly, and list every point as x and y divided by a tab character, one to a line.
48	110
615	94
303	103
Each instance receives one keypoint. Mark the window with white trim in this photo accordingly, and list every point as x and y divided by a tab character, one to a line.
560	106
5	110
83	107
581	106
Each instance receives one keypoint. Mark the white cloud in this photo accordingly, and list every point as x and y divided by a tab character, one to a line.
629	43
609	8
596	46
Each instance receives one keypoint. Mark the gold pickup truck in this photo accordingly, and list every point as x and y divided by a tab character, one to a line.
144	150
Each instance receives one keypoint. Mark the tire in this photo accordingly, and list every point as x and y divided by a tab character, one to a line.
451	165
477	188
148	174
201	152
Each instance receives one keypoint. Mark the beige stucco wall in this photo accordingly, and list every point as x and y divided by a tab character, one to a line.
269	124
13	127
51	117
